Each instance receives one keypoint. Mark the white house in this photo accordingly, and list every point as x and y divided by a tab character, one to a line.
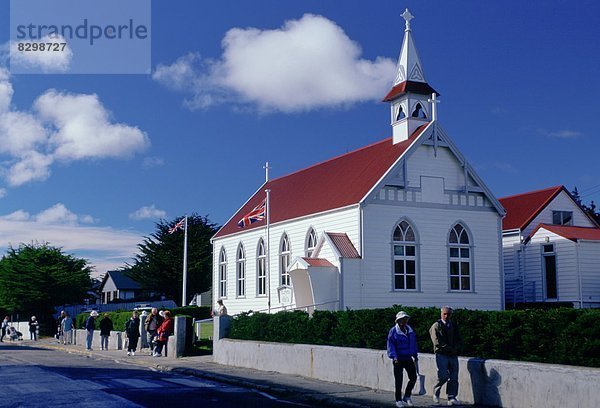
405	220
551	249
116	285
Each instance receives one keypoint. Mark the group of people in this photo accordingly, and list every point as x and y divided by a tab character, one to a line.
9	331
64	328
158	327
403	349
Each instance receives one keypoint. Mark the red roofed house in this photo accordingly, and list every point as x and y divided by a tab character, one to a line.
551	249
405	220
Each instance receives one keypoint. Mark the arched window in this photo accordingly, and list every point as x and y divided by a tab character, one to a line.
405	257
261	269
460	251
419	112
311	242
241	272
222	274
284	260
400	114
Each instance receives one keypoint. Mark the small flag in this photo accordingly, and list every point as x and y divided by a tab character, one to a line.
180	225
257	214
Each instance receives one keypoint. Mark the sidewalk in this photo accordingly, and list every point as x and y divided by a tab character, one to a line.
289	387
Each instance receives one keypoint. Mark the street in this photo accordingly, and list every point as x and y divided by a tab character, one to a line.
36	377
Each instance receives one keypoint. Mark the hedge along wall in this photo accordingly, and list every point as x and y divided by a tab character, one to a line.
559	336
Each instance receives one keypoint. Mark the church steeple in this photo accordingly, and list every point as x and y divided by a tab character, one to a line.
410	91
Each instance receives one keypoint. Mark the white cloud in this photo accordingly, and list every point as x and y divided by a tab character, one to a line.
106	248
147	212
150	162
2	192
62	127
84	130
560	134
306	64
46	61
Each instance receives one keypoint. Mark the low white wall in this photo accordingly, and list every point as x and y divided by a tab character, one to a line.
490	382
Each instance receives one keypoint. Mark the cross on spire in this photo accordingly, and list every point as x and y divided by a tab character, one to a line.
433	100
407	17
266	167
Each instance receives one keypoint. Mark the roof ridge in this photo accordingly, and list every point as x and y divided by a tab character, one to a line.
533	192
332	159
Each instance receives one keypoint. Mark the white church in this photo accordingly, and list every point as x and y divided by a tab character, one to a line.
405	220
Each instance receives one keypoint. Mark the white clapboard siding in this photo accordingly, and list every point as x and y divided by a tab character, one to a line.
513	282
345	220
432	226
562	202
423	162
589	256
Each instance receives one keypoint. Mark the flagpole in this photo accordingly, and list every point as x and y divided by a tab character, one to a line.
268	211
184	296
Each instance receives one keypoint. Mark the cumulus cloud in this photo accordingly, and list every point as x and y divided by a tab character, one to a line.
147	212
56	61
61	127
2	192
150	162
106	248
305	64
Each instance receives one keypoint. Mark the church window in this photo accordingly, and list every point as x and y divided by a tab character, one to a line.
222	274
419	112
400	114
261	269
241	272
562	217
311	242
405	257
460	251
284	261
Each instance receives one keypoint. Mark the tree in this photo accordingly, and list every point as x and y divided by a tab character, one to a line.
159	265
589	209
36	277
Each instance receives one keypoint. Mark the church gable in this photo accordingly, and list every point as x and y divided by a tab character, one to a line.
433	171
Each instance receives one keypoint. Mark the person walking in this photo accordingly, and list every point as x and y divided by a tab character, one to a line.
90	325
5	324
59	329
151	325
67	329
132	330
221	309
164	331
402	348
33	327
446	340
106	325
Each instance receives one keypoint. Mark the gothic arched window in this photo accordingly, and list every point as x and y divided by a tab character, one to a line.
285	254
460	255
311	242
261	269
241	272
222	274
405	256
419	112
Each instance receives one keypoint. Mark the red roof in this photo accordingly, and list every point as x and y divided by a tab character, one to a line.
317	262
572	233
335	183
421	88
343	244
521	209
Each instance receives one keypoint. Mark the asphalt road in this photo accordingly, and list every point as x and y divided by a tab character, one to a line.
35	377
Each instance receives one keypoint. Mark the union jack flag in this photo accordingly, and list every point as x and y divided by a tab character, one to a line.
180	225
257	214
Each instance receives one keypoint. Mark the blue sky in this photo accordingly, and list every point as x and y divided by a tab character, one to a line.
237	83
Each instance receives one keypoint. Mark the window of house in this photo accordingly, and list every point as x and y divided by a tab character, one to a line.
311	242
562	217
261	269
108	299
405	257
222	274
284	261
419	112
549	265
460	251
115	294
240	272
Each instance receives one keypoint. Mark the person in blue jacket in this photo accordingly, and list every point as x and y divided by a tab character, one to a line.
402	348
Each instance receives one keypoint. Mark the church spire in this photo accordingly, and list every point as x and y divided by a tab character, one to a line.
410	91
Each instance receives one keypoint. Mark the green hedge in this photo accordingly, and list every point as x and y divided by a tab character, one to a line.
560	336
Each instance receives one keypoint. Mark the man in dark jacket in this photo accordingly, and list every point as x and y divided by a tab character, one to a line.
90	326
151	325
446	344
132	330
